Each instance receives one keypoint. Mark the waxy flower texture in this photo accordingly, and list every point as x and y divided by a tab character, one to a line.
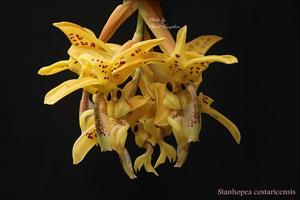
169	102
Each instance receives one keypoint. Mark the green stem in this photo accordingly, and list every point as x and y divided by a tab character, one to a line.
138	35
152	16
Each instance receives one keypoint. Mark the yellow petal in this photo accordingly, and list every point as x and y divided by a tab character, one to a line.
110	109
176	127
126	163
231	127
191	115
227	59
131	87
182	154
155	132
195	67
148	165
117	142
145	87
122	72
139	162
137	50
141	136
172	101
90	123
162	112
137	101
119	135
121	108
68	87
76	52
102	124
114	47
205	103
74	65
138	113
123	48
81	147
202	43
161	71
183	98
180	43
93	68
54	68
166	150
84	117
79	36
145	160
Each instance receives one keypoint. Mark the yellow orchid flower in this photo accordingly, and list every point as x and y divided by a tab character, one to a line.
87	139
79	37
177	103
147	135
187	61
120	110
157	136
178	107
98	62
153	125
168	82
71	64
141	139
112	124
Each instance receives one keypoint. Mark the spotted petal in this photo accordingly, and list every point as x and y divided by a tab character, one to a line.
227	59
83	145
180	42
68	87
80	36
162	112
54	68
202	43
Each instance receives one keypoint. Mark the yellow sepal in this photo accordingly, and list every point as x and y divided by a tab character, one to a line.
68	87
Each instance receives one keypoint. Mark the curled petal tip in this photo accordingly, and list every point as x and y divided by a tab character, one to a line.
48	102
75	159
57	24
229	59
133	177
238	139
177	165
74	162
40	71
235	60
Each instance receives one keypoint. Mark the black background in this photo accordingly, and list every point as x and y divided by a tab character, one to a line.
259	94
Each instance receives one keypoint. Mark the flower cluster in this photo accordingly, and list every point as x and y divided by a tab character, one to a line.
132	87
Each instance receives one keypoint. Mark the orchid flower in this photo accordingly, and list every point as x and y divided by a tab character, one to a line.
111	106
98	62
147	135
119	109
177	103
187	61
